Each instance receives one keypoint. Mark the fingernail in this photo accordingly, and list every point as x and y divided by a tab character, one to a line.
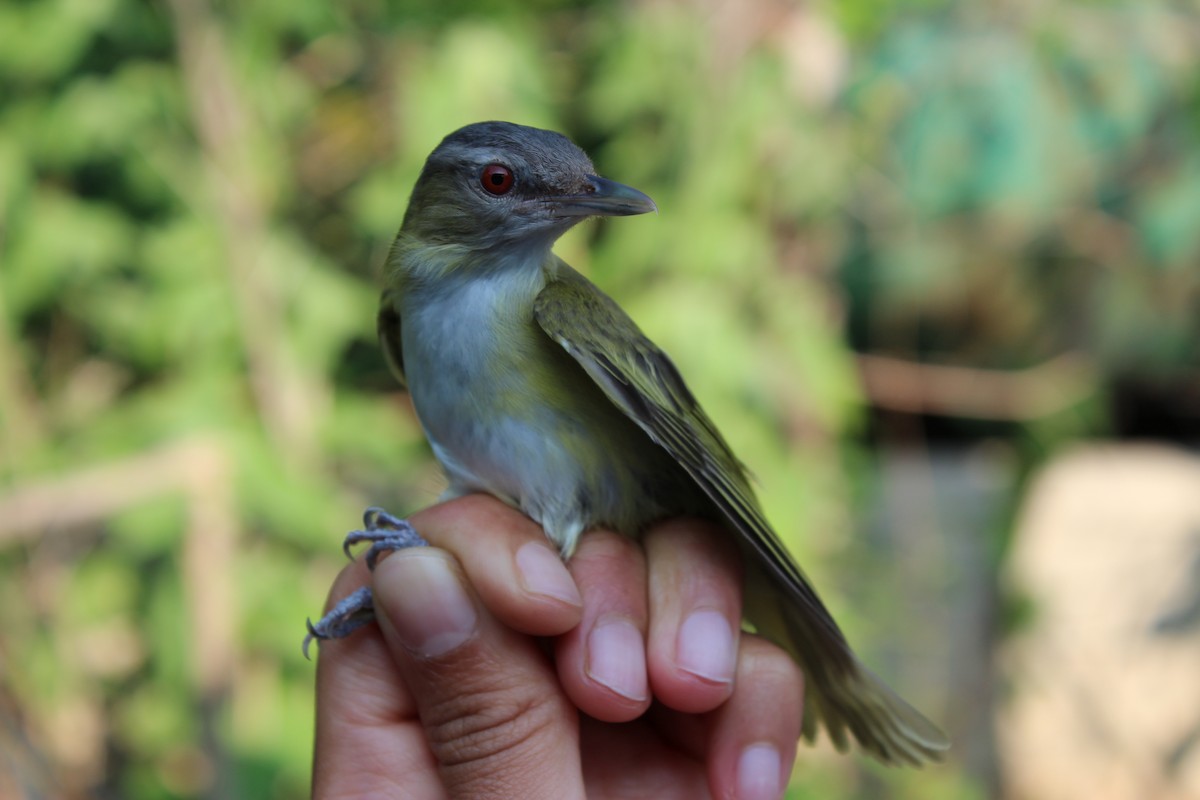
704	646
617	658
758	773
426	603
543	572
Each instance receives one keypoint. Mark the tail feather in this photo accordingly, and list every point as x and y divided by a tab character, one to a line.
853	700
841	695
883	723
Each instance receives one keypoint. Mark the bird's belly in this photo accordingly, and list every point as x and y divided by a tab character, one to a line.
555	455
530	457
506	454
516	417
569	469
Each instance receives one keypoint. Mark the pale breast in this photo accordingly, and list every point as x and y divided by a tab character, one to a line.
487	385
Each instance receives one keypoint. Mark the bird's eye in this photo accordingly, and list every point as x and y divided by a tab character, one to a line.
496	179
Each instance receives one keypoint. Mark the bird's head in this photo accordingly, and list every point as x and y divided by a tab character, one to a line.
496	184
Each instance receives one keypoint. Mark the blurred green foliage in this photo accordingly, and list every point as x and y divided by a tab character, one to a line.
196	199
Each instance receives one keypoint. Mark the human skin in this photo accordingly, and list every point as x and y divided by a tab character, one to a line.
497	671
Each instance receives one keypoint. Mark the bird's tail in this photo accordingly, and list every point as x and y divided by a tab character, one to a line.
860	705
842	695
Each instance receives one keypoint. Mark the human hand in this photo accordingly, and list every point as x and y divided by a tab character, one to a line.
647	688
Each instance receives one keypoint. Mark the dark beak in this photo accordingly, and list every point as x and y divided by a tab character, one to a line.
604	198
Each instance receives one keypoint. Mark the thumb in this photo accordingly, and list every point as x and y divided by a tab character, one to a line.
488	700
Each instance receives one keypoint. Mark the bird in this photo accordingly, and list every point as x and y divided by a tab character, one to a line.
535	387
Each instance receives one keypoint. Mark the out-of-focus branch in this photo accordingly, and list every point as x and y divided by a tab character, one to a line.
1017	395
201	470
226	133
95	493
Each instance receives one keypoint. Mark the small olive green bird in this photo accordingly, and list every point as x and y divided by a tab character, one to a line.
533	386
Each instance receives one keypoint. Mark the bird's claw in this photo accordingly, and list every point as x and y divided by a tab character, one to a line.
375	518
385	533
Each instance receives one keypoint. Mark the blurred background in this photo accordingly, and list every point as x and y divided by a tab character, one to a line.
934	267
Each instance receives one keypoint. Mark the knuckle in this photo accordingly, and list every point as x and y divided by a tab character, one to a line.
767	664
491	728
604	552
695	550
695	533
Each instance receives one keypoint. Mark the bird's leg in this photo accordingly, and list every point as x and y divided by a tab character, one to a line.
385	533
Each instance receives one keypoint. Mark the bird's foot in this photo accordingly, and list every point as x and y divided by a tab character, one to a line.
385	533
354	611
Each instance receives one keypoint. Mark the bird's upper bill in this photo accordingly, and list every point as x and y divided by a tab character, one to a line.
605	198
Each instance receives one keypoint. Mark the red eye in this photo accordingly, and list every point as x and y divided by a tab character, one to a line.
496	179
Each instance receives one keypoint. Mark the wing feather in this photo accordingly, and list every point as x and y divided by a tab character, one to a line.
640	380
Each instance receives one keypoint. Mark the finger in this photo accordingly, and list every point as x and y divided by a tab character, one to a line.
602	662
508	560
368	742
695	614
487	698
635	761
752	741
